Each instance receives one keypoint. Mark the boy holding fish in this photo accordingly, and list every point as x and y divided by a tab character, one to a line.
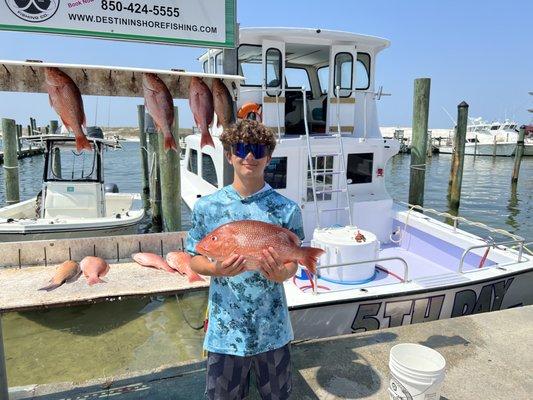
249	326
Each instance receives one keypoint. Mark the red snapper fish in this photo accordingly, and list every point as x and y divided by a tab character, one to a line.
201	104
65	98
152	260
94	268
250	238
223	103
180	261
160	106
69	270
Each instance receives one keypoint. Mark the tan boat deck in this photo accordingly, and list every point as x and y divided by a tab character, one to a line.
27	266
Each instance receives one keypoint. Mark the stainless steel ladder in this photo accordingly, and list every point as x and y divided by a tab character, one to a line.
342	180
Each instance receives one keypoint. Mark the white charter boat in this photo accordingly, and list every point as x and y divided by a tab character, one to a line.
489	139
74	201
385	264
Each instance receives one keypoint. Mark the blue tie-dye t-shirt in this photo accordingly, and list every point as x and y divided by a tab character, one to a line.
247	313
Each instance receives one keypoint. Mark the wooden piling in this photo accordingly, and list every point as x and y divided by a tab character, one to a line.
458	156
11	172
519	152
3	370
475	146
419	140
144	157
33	126
19	140
155	180
53	127
56	163
494	147
169	170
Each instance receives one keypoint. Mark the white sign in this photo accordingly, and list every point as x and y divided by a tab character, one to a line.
206	23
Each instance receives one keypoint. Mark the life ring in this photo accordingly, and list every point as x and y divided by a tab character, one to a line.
250	111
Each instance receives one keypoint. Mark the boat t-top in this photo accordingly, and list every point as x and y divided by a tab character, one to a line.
74	200
385	264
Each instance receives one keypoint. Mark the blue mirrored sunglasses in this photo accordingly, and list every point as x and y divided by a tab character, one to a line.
241	150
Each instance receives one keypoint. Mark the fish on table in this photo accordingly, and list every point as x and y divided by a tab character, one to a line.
249	239
201	104
223	103
94	268
65	99
66	272
181	262
160	106
153	261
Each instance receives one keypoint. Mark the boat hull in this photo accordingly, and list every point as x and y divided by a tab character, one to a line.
391	310
502	149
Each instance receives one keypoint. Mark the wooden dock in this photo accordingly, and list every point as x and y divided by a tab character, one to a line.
24	153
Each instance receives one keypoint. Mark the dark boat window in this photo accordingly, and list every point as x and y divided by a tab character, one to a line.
209	172
276	173
360	168
323	167
273	67
343	73
362	74
64	163
193	162
250	58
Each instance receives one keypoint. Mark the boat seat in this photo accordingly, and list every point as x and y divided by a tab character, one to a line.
75	200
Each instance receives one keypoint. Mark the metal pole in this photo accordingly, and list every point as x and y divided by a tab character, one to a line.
11	170
144	157
419	141
3	370
519	152
456	172
169	171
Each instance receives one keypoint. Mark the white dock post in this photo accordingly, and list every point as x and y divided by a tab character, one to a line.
3	371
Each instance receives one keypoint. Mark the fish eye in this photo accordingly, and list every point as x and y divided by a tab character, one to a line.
213	238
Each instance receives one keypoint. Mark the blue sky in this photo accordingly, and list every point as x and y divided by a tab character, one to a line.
477	51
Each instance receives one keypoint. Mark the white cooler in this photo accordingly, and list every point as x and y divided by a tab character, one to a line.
341	247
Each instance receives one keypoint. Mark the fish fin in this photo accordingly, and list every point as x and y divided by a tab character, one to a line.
51	286
206	140
310	257
74	278
82	143
94	280
170	143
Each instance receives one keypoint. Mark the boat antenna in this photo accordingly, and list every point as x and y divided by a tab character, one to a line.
449	116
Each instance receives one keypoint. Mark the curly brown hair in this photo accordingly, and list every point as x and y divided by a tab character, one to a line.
248	131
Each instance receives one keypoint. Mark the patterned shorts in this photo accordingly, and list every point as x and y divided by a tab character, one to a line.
228	376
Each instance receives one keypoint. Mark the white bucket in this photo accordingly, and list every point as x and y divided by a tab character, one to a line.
416	371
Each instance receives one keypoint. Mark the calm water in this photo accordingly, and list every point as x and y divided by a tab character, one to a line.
107	339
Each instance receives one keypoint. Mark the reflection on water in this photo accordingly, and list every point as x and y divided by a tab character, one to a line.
106	339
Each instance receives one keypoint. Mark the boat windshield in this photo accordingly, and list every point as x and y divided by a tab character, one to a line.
64	163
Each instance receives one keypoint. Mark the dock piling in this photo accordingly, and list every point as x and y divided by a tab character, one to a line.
19	140
494	146
169	171
11	171
144	157
54	124
458	156
3	370
155	181
419	140
519	152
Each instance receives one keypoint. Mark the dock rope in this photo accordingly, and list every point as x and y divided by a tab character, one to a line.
185	318
418	167
9	167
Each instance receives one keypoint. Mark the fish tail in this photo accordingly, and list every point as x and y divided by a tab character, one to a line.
94	280
52	286
170	143
82	143
310	257
206	139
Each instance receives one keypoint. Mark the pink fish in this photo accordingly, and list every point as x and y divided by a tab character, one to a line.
201	104
181	261
223	103
65	98
94	268
152	260
67	271
160	106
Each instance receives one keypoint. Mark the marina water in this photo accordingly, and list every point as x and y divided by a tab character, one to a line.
109	339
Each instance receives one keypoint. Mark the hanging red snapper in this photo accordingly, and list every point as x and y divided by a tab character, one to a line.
94	268
65	98
65	272
223	103
152	260
250	238
181	262
201	104
160	106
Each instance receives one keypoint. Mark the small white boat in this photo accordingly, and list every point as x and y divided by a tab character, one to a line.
489	139
385	264
73	201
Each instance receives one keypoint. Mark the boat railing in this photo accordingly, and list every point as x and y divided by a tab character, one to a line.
375	260
520	244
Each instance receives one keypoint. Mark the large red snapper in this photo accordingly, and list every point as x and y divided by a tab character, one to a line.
181	262
250	238
65	98
201	104
69	270
223	103
152	260
160	106
94	268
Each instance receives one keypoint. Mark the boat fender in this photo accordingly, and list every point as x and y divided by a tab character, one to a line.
250	111
9	220
118	216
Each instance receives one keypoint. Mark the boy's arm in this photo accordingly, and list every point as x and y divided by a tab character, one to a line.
233	265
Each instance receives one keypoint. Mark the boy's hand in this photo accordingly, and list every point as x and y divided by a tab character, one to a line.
272	267
231	266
